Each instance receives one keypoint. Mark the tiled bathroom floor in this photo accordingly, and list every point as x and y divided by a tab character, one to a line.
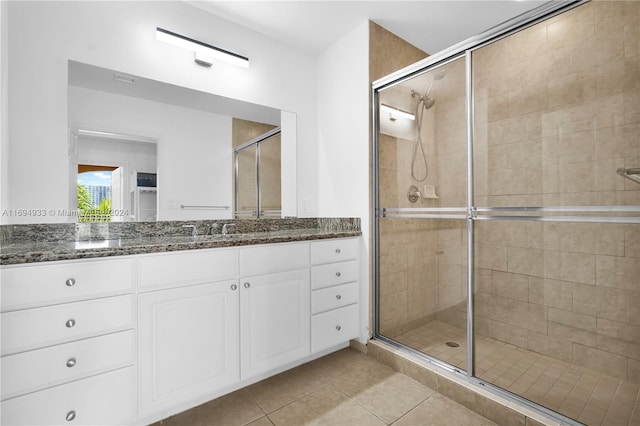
343	388
591	397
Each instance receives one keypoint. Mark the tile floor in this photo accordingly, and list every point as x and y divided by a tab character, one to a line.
591	397
343	388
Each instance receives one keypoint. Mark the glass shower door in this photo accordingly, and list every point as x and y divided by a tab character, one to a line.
258	177
558	267
422	232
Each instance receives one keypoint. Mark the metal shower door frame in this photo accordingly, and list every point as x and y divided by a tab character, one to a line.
469	212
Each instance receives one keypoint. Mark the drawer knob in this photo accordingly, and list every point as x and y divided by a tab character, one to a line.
338	251
70	282
70	416
70	323
338	328
247	285
71	362
338	296
234	287
338	274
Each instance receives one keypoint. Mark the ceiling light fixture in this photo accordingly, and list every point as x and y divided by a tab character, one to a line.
394	113
205	53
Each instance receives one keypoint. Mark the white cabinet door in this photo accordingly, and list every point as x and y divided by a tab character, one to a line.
188	344
274	320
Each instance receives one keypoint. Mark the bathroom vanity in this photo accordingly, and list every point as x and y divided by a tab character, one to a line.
134	338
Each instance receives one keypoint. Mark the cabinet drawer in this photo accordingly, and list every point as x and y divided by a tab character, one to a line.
105	399
334	250
33	328
334	297
272	258
38	285
188	267
33	370
334	327
334	274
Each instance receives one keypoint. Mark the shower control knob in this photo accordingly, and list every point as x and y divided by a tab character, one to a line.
338	274
70	282
70	323
338	251
338	328
338	296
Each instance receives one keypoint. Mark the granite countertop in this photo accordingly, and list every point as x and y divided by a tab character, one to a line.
33	252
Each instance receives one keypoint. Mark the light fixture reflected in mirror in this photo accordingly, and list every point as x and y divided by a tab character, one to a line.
205	53
395	113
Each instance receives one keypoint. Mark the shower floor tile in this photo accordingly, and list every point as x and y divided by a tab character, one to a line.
590	397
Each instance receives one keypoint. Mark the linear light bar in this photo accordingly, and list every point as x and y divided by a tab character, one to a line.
205	54
394	113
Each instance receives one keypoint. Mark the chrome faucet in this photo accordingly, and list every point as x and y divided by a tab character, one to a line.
211	227
194	230
225	228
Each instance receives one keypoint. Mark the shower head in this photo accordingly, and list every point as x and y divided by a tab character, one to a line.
428	101
439	75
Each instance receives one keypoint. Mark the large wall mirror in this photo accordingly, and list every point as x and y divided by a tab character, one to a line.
144	150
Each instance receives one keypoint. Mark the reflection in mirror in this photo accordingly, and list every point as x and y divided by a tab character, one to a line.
184	137
116	177
257	169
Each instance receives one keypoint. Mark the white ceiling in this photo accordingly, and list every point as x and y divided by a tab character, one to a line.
314	25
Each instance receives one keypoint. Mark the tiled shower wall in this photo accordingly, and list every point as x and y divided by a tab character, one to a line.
557	111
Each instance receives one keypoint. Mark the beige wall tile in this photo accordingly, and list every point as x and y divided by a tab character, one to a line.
536	290
618	272
526	261
618	141
558	294
513	286
632	240
633	309
393	283
510	311
491	257
598	360
549	345
573	267
572	326
508	333
619	338
600	302
634	371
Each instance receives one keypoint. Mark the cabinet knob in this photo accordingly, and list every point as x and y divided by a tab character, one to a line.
338	251
338	296
70	416
338	328
338	274
70	282
234	287
71	362
247	285
70	323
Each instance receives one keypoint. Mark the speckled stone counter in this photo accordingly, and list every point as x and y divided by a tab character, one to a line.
45	243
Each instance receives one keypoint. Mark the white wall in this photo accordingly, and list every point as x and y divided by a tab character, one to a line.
343	140
4	110
194	147
43	36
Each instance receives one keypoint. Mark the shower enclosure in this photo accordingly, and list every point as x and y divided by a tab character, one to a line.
507	231
257	176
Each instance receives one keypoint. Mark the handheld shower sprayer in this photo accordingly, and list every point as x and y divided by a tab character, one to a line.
425	102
